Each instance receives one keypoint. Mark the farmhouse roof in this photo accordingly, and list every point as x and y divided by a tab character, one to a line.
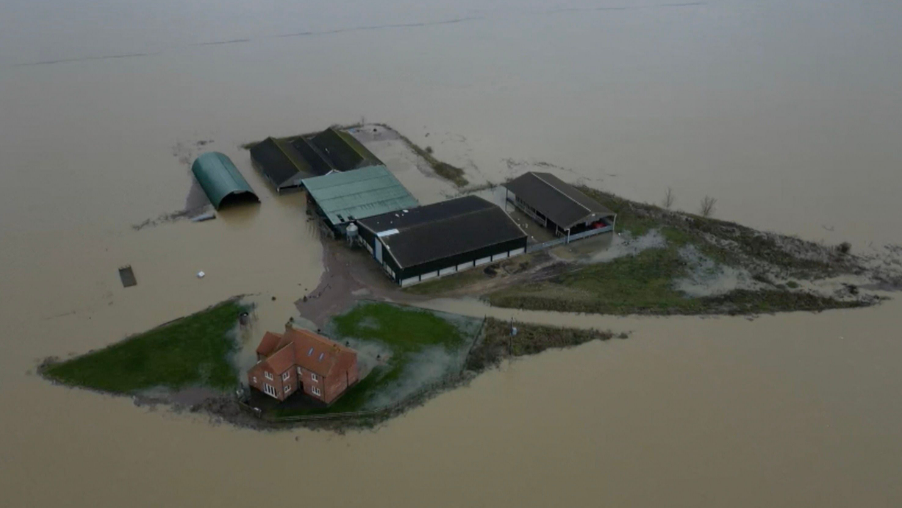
309	351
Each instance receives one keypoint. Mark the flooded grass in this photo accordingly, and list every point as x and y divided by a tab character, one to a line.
498	342
191	351
644	284
447	171
406	334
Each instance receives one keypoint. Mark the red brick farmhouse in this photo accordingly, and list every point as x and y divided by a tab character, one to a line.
302	360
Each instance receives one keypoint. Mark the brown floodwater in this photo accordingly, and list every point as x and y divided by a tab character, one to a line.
789	113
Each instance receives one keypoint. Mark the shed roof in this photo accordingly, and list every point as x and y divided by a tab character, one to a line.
277	163
562	203
358	194
343	150
220	178
443	230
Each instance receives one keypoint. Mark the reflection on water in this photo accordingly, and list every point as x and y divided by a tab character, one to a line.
780	110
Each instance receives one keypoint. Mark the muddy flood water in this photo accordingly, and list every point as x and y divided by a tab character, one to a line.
789	113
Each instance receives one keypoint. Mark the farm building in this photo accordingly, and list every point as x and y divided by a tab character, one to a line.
280	164
302	361
559	206
342	197
221	180
431	241
286	162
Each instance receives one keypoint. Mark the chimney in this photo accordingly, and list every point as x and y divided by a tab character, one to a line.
289	325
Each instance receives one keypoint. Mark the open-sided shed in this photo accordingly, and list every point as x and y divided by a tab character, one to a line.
558	205
221	180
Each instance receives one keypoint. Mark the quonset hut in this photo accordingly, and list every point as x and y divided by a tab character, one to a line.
431	241
221	181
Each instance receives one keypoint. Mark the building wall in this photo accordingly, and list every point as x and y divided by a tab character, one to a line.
311	380
256	378
338	383
452	261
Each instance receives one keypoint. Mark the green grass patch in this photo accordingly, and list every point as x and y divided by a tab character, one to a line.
192	351
403	331
644	284
629	285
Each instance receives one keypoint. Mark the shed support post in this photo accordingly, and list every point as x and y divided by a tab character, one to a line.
568	235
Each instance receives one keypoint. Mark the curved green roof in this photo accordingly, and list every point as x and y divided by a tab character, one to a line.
220	178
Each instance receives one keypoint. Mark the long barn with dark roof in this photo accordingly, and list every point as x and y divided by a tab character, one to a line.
559	206
431	241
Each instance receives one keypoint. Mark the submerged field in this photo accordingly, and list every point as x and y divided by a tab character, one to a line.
193	351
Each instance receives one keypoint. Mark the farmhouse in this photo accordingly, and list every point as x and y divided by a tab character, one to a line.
340	198
286	162
298	360
221	180
559	206
431	241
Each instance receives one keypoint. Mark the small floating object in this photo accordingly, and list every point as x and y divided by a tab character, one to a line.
127	276
200	275
204	216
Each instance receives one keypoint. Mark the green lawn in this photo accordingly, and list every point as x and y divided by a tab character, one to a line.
633	284
191	351
404	331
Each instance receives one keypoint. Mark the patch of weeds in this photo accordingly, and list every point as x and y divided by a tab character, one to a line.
498	343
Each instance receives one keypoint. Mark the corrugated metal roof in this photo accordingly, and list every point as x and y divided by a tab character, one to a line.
277	163
358	194
219	178
444	229
565	205
343	150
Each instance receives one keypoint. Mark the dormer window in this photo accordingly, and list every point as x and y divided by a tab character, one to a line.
321	356
310	353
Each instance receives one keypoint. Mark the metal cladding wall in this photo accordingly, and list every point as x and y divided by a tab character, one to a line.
220	179
459	259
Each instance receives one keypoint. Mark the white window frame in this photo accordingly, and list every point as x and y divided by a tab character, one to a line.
254	379
285	375
286	388
316	391
313	377
267	375
269	389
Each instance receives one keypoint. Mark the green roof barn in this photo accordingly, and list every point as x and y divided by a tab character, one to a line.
221	180
342	197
